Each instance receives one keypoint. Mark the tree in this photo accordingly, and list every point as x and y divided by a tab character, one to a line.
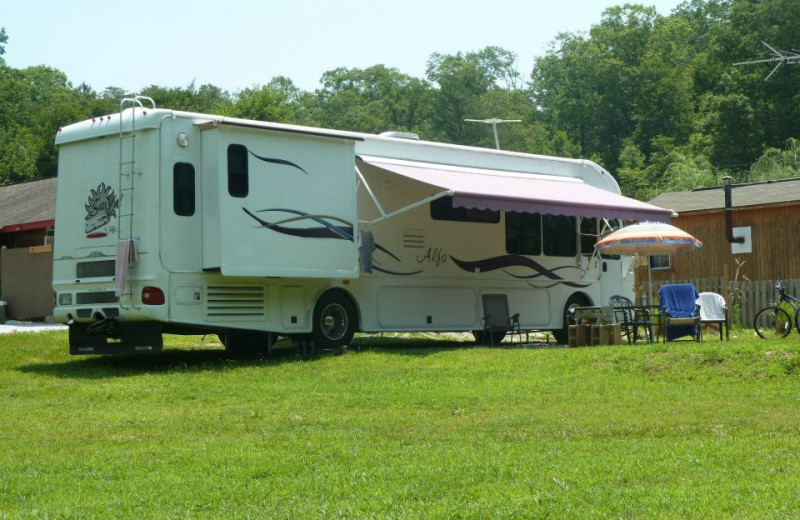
372	100
206	99
462	79
3	41
273	102
665	104
777	164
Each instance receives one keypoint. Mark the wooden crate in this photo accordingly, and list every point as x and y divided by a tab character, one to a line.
578	335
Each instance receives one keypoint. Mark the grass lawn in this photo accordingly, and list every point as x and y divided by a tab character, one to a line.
402	428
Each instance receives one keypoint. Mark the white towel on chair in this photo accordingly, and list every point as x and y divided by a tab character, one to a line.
126	254
712	306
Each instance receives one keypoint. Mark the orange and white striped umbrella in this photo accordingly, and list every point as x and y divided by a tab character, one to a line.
647	238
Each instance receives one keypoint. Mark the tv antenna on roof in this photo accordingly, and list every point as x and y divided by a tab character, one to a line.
780	57
493	121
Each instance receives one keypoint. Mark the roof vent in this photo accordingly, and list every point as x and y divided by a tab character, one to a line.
400	135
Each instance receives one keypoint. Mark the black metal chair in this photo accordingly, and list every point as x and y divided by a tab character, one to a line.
630	318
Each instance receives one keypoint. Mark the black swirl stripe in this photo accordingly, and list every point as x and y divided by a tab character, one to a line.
326	231
275	160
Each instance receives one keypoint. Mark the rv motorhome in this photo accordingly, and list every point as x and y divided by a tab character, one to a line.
176	222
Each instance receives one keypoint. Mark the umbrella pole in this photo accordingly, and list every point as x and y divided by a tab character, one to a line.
650	297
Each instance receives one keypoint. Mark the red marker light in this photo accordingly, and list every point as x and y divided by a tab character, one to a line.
153	296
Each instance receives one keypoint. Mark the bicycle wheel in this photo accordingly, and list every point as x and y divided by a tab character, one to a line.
772	323
796	322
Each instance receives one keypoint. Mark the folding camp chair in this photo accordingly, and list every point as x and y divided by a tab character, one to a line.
496	319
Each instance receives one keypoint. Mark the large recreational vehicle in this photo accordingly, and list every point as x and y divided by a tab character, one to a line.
176	222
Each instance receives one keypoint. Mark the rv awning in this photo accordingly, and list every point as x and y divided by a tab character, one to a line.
523	192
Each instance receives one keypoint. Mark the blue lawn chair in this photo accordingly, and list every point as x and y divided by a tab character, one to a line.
680	314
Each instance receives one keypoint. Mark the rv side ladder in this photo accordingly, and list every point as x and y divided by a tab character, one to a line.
127	178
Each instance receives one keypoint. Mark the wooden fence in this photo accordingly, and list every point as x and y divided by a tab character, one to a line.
744	299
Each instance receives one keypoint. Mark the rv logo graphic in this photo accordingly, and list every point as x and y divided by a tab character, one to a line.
102	205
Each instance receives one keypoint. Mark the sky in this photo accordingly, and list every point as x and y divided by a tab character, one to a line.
238	44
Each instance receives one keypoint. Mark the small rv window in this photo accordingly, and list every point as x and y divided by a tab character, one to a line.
238	185
589	235
559	235
183	189
523	233
442	209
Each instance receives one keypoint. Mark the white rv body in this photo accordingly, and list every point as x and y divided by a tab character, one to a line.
170	221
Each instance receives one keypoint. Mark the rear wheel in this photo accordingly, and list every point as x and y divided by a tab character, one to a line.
492	337
247	342
772	323
576	300
334	321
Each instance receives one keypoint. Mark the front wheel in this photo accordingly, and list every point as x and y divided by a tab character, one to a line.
796	322
772	323
562	335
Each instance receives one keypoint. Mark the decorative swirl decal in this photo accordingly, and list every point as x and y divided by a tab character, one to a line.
275	160
376	268
328	230
101	206
501	262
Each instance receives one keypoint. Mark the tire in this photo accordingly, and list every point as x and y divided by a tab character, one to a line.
562	335
488	338
334	321
796	316
247	342
772	323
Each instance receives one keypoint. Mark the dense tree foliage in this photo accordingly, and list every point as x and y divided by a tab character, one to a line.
655	99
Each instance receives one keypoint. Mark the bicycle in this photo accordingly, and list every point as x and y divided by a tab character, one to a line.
774	322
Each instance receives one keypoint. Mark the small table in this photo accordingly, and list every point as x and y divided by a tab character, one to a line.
594	315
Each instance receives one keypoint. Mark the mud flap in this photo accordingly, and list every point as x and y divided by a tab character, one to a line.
138	337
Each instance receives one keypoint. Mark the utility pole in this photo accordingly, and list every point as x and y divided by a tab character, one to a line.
493	121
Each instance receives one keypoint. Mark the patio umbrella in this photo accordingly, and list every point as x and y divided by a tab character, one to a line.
647	238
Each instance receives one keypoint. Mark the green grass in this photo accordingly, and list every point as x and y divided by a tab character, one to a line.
402	428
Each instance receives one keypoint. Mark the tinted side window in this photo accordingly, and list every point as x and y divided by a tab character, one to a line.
238	181
523	233
588	235
559	235
442	209
183	192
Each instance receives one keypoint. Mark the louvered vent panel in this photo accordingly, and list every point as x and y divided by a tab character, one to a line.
413	239
235	302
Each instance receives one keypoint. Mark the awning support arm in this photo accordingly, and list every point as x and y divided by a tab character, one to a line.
386	216
369	190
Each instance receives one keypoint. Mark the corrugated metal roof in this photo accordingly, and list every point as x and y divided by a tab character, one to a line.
742	195
27	202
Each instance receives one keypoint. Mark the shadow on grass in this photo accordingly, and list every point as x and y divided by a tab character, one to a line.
218	359
170	360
